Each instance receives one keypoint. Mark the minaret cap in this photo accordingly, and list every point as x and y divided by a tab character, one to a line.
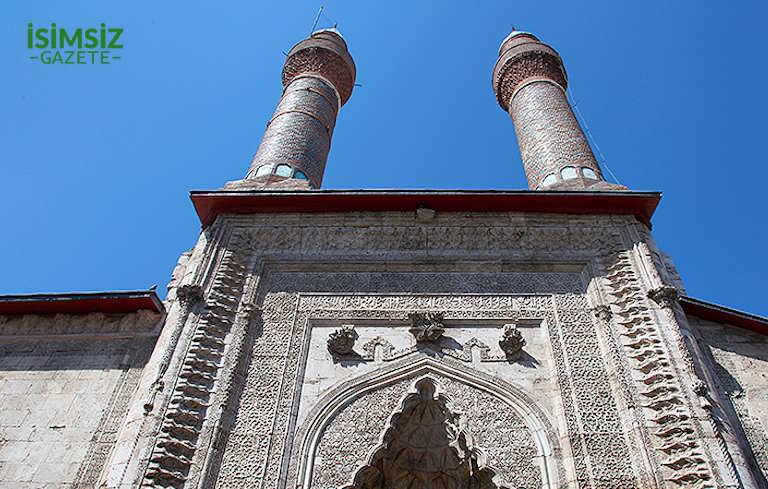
323	53
522	56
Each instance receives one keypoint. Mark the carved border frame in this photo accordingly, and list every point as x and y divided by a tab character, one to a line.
584	239
542	306
416	365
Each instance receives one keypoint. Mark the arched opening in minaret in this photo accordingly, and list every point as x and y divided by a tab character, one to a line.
426	446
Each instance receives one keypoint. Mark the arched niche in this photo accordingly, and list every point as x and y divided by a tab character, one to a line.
346	428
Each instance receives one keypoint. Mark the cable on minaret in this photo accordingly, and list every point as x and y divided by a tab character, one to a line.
530	84
589	133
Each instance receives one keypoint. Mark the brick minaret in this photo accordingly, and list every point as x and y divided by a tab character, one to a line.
530	81
318	78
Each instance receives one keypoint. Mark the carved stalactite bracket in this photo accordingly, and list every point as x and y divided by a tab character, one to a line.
176	442
675	435
450	460
188	296
665	296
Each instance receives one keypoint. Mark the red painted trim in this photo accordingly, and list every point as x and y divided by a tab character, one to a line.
83	303
720	314
210	204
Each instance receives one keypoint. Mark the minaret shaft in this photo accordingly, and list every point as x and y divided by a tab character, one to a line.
549	136
318	78
530	81
298	137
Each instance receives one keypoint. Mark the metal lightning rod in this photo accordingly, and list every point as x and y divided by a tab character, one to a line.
317	19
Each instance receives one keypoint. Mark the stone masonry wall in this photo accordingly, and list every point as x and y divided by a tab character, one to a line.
63	397
739	358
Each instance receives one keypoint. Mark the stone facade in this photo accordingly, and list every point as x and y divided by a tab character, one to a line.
65	384
737	361
605	393
553	349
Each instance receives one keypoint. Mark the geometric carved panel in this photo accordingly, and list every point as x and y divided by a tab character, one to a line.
264	441
536	272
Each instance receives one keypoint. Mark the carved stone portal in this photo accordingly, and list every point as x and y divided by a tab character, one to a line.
425	446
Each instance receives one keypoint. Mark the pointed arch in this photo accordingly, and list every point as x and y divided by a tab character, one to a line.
415	366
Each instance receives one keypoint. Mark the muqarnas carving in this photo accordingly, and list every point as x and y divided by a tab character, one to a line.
426	327
512	342
665	296
426	445
341	342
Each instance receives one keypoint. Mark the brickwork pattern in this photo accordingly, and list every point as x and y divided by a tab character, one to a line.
299	133
522	69
529	81
549	135
330	65
318	78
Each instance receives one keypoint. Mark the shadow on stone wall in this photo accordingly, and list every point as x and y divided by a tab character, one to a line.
52	355
733	351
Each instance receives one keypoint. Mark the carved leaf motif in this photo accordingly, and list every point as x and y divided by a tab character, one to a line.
426	327
342	341
512	341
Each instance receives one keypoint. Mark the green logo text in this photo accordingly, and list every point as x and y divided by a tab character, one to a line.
82	46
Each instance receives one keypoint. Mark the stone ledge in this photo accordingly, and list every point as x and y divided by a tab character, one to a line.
95	323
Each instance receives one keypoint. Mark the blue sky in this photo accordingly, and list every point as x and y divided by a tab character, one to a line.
98	160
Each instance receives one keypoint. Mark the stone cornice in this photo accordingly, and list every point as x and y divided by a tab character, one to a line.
210	204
